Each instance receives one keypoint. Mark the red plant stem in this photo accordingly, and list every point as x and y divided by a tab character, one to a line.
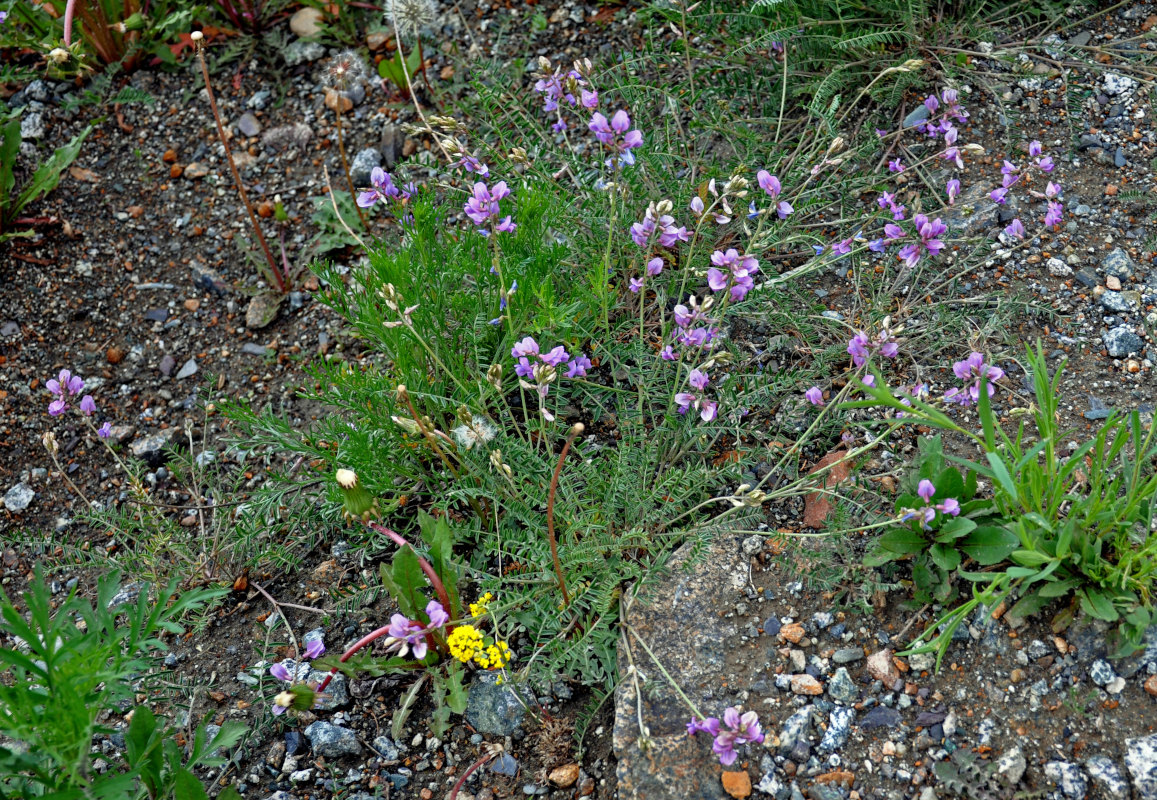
435	581
69	9
273	268
469	771
575	431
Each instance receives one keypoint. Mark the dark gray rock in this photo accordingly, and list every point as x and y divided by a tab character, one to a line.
386	748
1118	264
331	741
1121	302
880	717
294	743
794	729
842	688
1141	762
505	764
150	449
917	115
974	211
208	281
1101	672
839	727
260	100
493	708
1119	157
1068	777
1121	341
362	165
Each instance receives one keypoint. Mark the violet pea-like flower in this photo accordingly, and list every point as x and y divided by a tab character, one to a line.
411	633
483	207
953	190
65	386
1055	214
578	366
740	730
698	381
314	648
1015	229
617	133
815	396
383	188
105	430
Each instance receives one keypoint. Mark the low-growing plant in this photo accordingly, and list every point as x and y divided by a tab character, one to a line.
71	664
14	200
1075	527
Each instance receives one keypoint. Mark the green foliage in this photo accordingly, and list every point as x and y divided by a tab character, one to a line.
69	669
43	180
1077	527
393	70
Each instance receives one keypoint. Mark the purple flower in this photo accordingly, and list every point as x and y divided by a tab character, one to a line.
886	200
552	88
590	99
858	348
411	634
698	381
973	369
926	490
1015	229
559	125
384	188
635	285
654	266
471	164
578	366
1046	164
281	672
668	353
314	648
769	183
663	224
526	347
1008	168
1055	214
895	165
950	506
1035	148
893	231
928	230
88	405
876	245
709	725
65	386
953	190
1052	190
998	195
739	269
105	431
931	103
437	614
842	247
3	17
953	154
814	396
609	133
1008	181
740	730
483	206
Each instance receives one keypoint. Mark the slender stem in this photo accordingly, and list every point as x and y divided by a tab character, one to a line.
288	625
431	575
337	211
344	163
469	771
574	431
69	10
273	270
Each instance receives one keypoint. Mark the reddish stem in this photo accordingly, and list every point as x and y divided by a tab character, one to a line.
431	575
469	771
69	9
575	431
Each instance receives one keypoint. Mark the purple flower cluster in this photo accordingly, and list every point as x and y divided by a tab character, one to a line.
926	490
406	634
483	208
927	230
67	386
658	227
473	165
772	188
972	369
694	327
313	649
860	347
732	271
558	86
543	368
654	268
740	730
1054	214
617	135
384	189
707	408
888	200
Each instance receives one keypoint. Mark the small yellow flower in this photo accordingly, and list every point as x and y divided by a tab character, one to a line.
495	656
464	642
481	607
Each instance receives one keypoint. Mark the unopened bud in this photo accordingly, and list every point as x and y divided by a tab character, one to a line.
408	425
346	478
50	443
913	64
196	36
837	145
973	149
59	55
544	63
518	155
663	207
494	376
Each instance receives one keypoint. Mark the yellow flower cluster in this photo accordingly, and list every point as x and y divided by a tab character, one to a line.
464	642
482	606
466	645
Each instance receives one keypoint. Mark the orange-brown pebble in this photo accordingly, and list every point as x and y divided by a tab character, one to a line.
792	632
737	784
806	684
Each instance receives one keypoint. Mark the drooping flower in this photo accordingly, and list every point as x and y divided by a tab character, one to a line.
771	186
314	648
698	381
65	386
895	165
953	190
1055	214
578	366
928	231
105	430
1053	190
1015	229
656	220
999	195
483	207
815	396
88	405
472	164
739	731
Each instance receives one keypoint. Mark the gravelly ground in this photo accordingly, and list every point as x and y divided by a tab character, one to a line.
144	281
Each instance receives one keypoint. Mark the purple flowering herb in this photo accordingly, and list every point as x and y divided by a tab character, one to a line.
1035	148
383	189
105	430
893	231
314	648
411	634
436	614
65	386
88	405
953	190
557	86
471	164
895	165
1008	181
926	490
635	285
669	234
578	366
698	381
858	348
708	725
973	369
1015	229
483	207
819	248
769	183
732	270
740	730
617	134
590	99
815	396
843	247
1046	164
1052	190
281	672
928	231
668	353
654	266
1008	168
1055	214
998	196
559	125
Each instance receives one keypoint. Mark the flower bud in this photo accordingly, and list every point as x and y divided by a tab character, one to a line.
518	155
913	64
494	376
408	425
50	443
544	63
357	502
663	207
59	55
973	149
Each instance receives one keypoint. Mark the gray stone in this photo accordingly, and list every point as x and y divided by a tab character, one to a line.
975	211
846	655
301	52
1087	277
1068	777
921	662
839	727
795	729
505	764
37	90
150	449
336	694
19	497
1101	672
1141	762
917	115
881	717
32	126
772	785
251	349
1011	766
1107	777
841	688
208	281
390	144
248	125
1115	84
331	741
127	594
1121	302
362	165
493	708
167	364
1059	268
1118	264
1119	157
188	369
1081	39
1121	341
260	100
386	748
